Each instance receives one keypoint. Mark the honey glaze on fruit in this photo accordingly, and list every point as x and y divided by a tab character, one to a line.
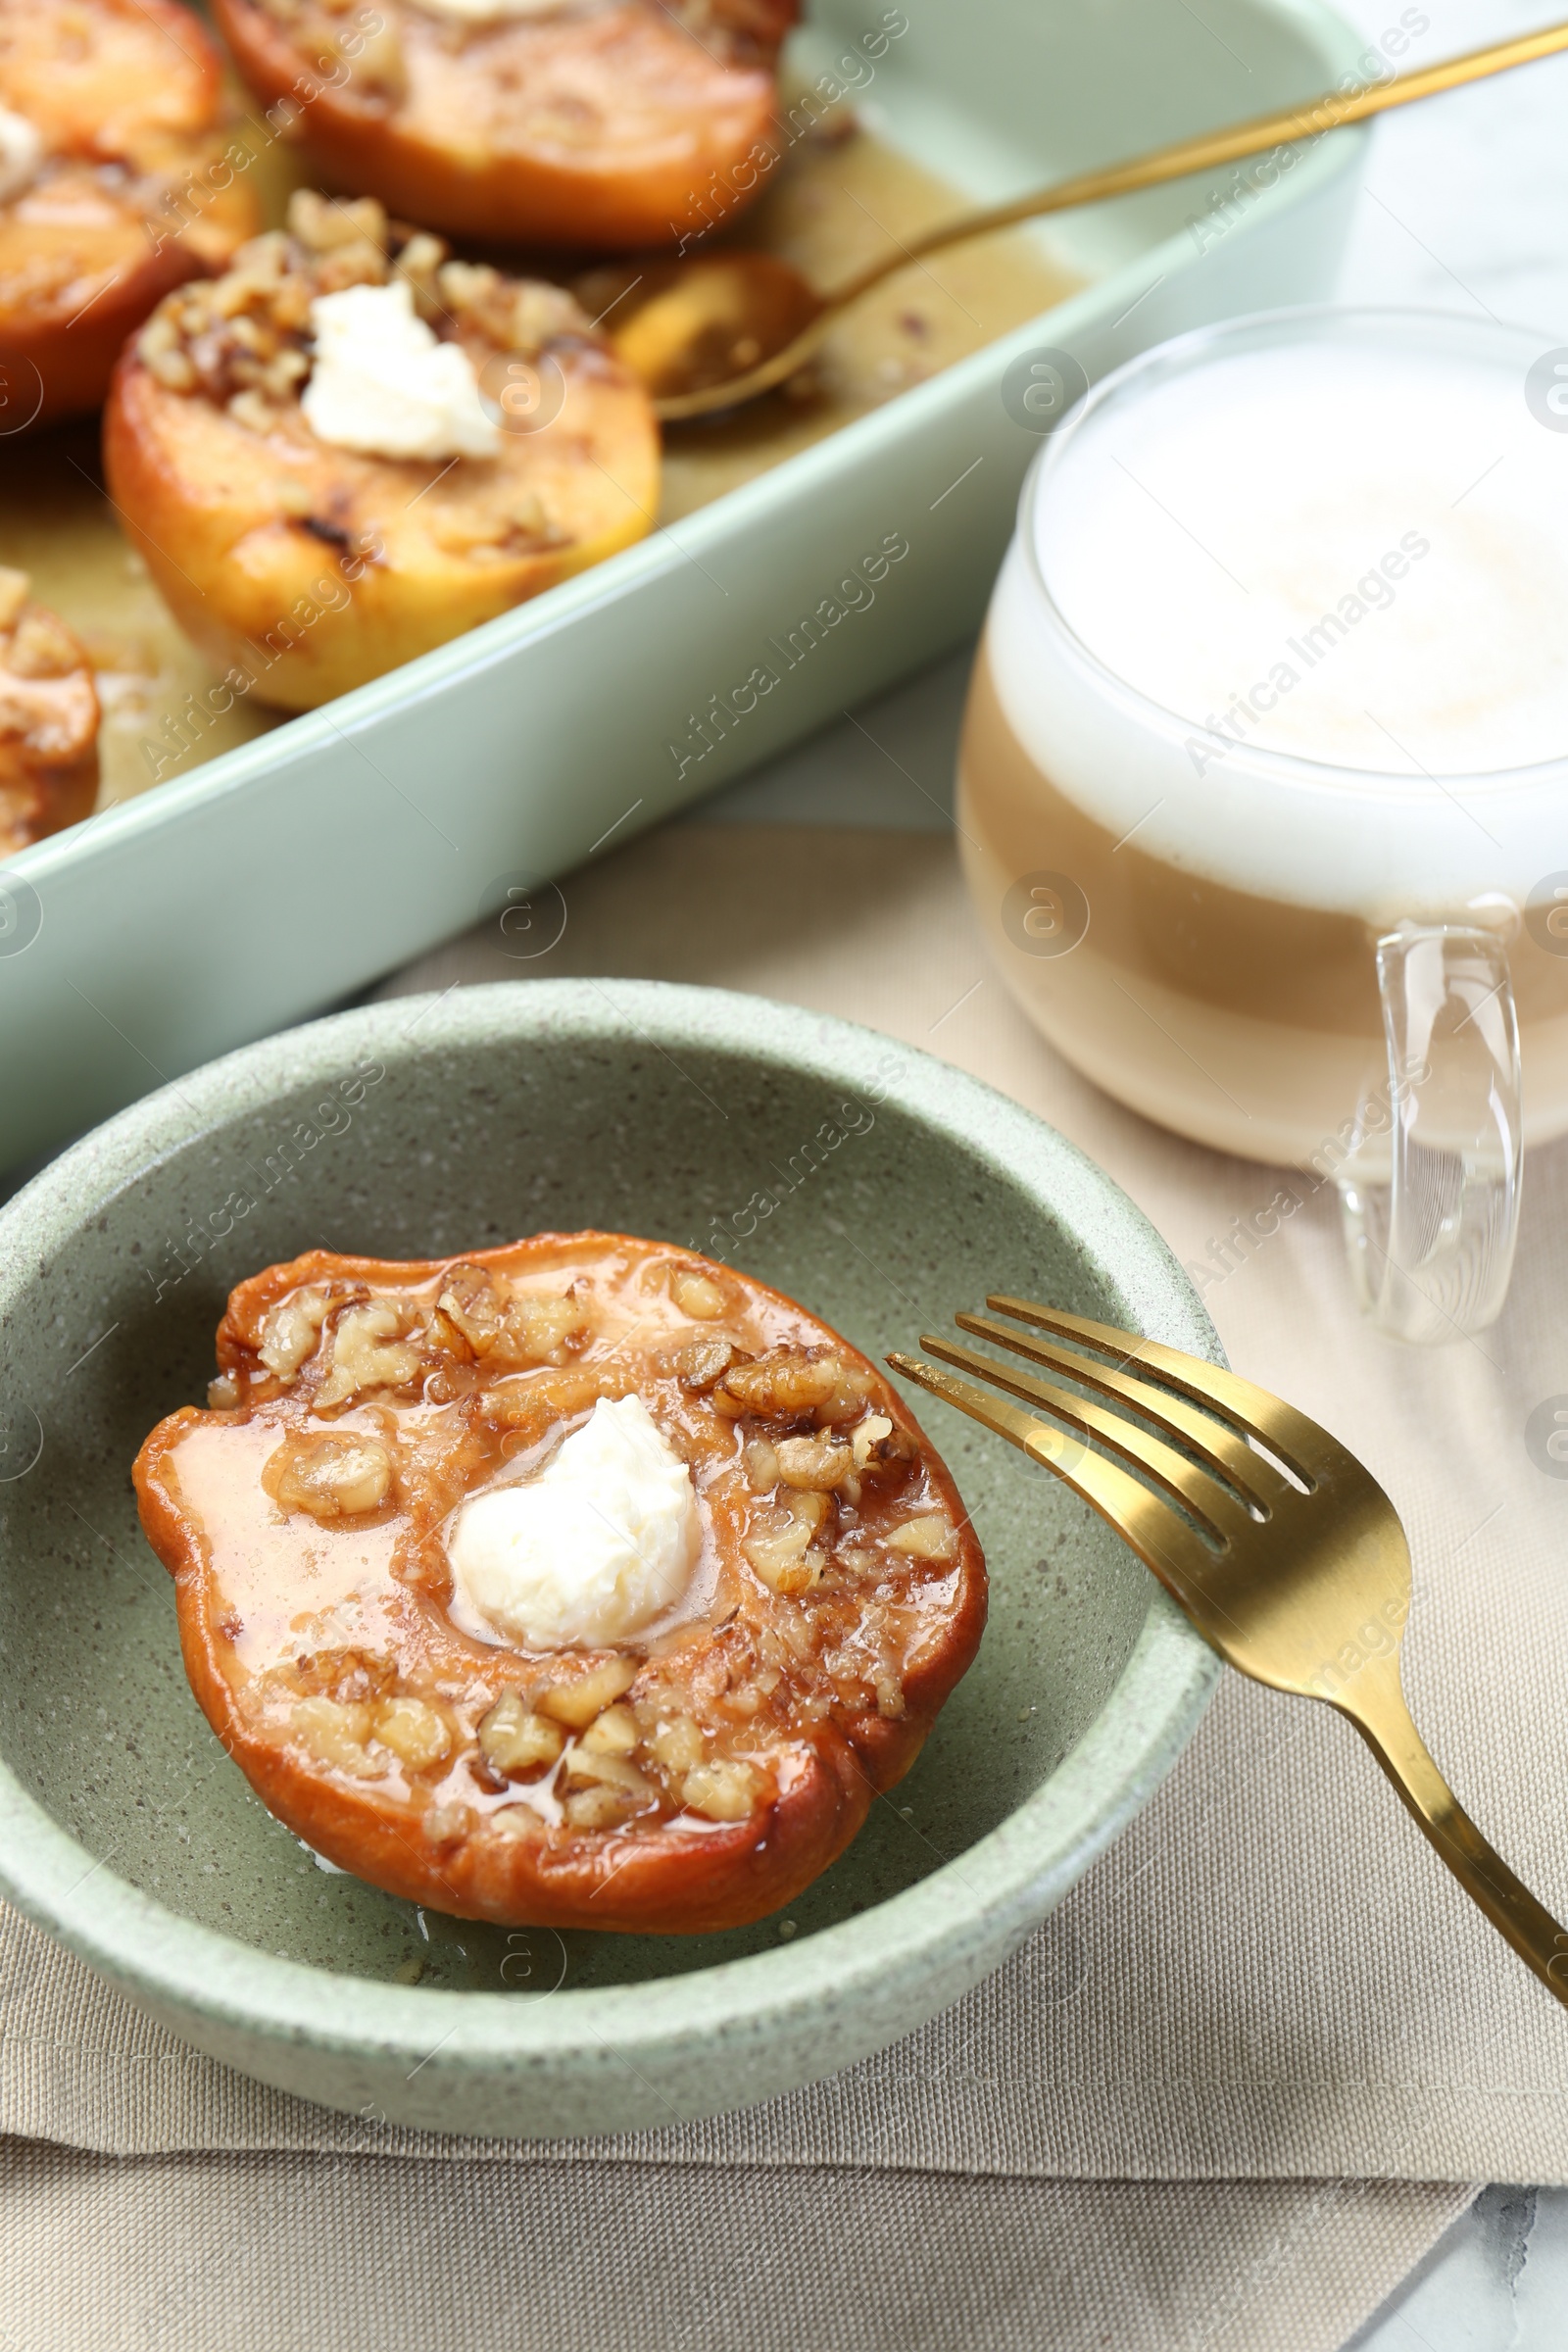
575	122
48	720
301	454
581	1583
168	705
110	112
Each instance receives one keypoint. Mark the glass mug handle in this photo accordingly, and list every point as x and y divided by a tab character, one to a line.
1430	1194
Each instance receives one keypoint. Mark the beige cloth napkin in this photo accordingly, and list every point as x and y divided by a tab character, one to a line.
354	2254
1265	1983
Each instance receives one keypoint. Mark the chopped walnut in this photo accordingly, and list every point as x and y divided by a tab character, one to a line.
614	1733
600	1768
540	1330
930	1537
855	1560
463	284
790	1383
600	1808
244	338
443	1824
530	1328
290	1332
381	61
49	719
346	1674
602	1789
41	645
798	1638
782	1548
331	1478
513	1738
516	1820
418	1733
419	262
540	313
868	1434
369	1351
468	1306
818	1463
336	1735
326	224
881	1452
697	1296
762	1466
703	1361
889	1695
723	1790
677	1745
782	1383
528	1413
578	1701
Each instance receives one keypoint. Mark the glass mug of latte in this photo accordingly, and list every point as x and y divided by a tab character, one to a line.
1263	786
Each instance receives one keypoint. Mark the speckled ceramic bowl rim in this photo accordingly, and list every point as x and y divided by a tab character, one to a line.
932	1938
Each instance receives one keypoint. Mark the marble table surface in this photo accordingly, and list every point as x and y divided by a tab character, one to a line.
1463	206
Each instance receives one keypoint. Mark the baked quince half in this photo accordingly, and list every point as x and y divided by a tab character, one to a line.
579	123
583	1583
114	186
48	723
349	449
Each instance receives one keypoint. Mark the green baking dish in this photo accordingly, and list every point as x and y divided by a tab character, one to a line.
290	872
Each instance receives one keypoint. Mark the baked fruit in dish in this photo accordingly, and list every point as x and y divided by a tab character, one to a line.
583	1583
303	452
48	720
584	123
113	127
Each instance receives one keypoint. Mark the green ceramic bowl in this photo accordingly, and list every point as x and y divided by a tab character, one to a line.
423	1126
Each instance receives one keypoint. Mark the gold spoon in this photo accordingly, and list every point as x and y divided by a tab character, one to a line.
717	332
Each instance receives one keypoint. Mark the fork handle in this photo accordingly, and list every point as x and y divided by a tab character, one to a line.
1382	1719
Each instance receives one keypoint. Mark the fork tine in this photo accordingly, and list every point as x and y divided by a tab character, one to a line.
1164	1543
1196	1489
1255	1480
1299	1444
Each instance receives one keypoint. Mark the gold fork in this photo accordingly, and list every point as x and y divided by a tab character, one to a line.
1300	1581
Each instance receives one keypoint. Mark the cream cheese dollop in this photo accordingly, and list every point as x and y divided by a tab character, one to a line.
20	154
384	385
594	1548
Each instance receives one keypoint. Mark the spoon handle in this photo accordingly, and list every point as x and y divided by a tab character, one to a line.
1305	119
1209	148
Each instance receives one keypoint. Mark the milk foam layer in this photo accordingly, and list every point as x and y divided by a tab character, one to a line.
1379	541
1348	550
